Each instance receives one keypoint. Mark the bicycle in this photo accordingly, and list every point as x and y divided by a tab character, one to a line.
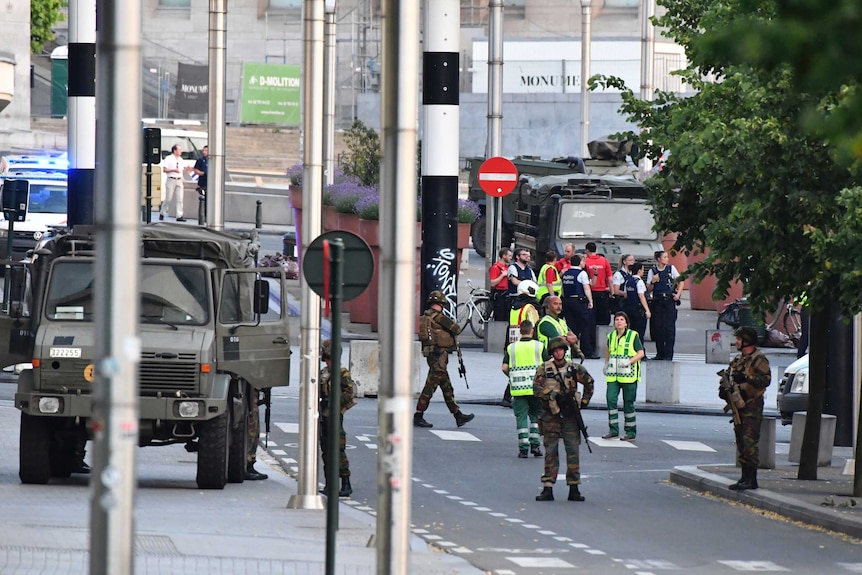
477	311
787	311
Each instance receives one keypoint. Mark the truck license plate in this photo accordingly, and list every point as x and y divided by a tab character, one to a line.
65	352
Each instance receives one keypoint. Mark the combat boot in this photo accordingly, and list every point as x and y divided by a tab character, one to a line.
547	494
346	489
575	494
536	450
252	474
748	480
419	420
463	419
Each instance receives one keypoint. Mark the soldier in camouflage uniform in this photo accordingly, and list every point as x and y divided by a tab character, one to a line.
750	372
347	401
437	332
251	474
556	385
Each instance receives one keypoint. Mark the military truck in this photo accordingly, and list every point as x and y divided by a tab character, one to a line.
611	211
209	342
607	157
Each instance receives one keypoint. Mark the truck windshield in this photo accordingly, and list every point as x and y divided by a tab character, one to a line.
606	219
170	294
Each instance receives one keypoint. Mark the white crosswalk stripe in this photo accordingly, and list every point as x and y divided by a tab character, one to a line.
689	445
447	435
758	566
689	357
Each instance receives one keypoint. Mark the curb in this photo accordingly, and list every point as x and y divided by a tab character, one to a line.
694	478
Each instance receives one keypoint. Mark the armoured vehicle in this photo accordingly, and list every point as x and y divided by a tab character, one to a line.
208	338
608	158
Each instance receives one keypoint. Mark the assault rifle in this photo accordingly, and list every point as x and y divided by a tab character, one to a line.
568	402
462	371
730	394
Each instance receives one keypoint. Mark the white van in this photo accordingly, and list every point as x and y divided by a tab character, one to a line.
46	210
190	141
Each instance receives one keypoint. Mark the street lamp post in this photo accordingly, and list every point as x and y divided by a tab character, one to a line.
585	75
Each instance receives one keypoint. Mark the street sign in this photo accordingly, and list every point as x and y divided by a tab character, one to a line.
358	264
498	176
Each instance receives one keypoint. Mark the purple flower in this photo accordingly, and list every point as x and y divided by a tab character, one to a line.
468	211
294	174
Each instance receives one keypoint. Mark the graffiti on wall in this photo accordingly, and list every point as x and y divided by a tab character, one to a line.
443	276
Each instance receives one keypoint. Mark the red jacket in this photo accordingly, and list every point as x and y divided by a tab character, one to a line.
599	270
498	270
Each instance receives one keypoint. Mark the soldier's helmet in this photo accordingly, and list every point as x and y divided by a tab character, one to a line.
747	335
557	343
326	349
528	287
436	296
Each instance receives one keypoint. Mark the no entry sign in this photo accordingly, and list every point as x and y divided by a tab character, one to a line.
498	176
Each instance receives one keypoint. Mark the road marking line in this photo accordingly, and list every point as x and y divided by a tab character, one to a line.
541	562
447	435
612	443
288	427
754	566
278	452
441	491
689	445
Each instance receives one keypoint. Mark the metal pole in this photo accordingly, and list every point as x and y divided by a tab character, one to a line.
440	129
312	189
493	205
117	355
399	92
586	40
329	93
82	112
336	263
647	66
216	115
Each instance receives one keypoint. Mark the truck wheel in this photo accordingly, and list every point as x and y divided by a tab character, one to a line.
213	452
238	439
62	456
477	233
34	463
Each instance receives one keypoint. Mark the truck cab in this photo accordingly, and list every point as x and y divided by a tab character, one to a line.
209	342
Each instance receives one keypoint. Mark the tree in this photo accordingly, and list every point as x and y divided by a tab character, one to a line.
747	177
43	15
363	156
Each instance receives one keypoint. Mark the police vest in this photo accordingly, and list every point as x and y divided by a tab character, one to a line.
516	316
525	357
543	281
631	287
665	283
570	284
622	348
523	274
559	324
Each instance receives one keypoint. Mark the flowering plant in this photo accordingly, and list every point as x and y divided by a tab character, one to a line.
368	206
468	211
294	174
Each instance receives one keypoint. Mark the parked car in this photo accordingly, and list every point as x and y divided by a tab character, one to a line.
793	390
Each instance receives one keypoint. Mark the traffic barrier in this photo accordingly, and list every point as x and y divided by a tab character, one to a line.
719	345
365	367
661	381
827	438
766	445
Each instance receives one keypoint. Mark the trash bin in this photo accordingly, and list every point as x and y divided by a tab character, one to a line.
289	244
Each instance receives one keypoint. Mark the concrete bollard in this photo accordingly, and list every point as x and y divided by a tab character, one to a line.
766	445
719	345
602	332
827	438
496	337
365	367
661	381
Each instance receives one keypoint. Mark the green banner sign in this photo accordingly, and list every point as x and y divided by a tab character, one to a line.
270	94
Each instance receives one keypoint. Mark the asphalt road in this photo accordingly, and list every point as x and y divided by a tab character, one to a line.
474	497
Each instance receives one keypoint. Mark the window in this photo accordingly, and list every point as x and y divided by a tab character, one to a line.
284	4
175	3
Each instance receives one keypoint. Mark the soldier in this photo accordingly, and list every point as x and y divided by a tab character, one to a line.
750	372
556	385
251	474
520	361
347	401
437	332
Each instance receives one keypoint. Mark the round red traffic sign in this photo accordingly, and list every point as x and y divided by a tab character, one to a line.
498	176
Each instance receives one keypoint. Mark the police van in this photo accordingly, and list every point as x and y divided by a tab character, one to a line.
46	211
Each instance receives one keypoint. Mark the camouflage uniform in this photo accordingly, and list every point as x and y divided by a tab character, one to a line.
553	424
253	425
347	401
438	361
755	367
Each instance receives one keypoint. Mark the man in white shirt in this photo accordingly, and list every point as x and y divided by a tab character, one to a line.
173	167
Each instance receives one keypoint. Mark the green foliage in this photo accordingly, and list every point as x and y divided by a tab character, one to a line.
744	177
43	15
363	157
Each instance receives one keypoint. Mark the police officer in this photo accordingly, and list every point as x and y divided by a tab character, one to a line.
437	332
750	372
666	289
578	305
549	278
556	385
635	304
520	361
347	401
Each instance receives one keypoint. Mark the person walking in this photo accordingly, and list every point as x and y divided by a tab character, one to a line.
438	334
520	270
635	304
578	305
173	166
750	372
347	400
520	361
622	373
200	170
666	288
556	386
549	279
552	325
499	276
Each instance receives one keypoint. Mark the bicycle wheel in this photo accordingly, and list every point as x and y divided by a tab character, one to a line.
793	324
478	320
462	315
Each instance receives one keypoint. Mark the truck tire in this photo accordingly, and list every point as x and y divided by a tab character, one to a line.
34	460
238	452
477	233
213	452
62	457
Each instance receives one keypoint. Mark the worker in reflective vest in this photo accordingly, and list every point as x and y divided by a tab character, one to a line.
622	373
520	361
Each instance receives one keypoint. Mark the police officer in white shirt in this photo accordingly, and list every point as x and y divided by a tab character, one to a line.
173	166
